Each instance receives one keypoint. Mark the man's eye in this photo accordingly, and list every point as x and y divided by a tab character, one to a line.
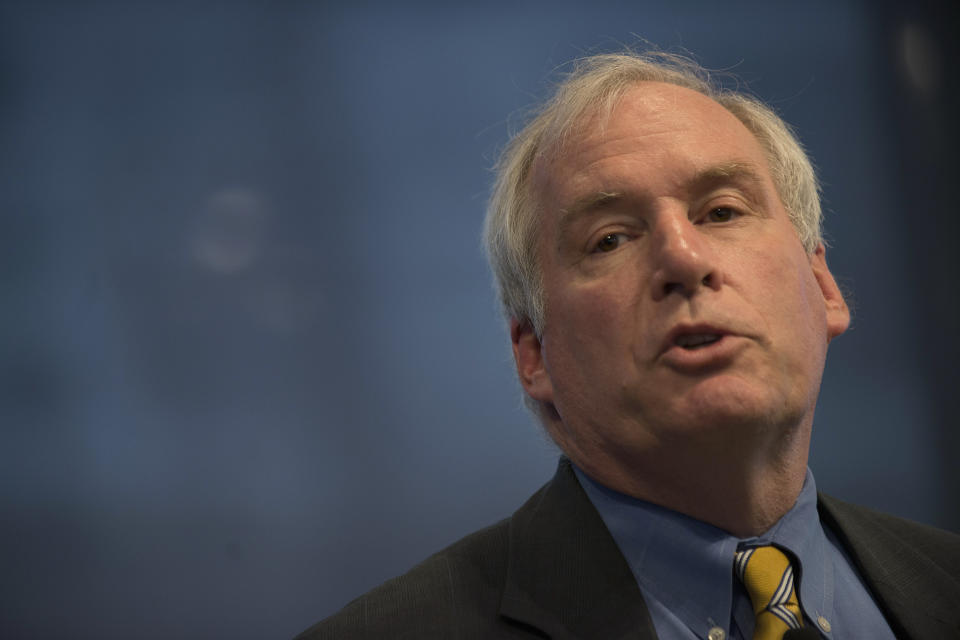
722	214
610	242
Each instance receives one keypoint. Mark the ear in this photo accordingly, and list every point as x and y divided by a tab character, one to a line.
838	314
528	356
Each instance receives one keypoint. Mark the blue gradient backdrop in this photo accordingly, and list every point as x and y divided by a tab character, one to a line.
251	363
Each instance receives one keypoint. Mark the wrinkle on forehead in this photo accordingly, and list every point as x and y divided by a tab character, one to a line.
745	174
654	108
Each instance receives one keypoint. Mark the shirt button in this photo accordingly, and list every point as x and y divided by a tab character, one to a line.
824	623
716	633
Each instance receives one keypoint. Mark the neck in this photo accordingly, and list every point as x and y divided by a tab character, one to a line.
743	490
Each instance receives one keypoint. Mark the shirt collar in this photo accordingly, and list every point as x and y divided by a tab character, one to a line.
665	549
799	531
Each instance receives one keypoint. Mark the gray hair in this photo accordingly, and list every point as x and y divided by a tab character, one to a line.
595	84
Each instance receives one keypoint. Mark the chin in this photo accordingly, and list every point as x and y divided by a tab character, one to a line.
723	410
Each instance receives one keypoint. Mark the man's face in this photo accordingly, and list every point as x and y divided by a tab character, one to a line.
680	302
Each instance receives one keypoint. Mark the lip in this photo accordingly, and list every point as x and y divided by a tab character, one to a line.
685	329
709	356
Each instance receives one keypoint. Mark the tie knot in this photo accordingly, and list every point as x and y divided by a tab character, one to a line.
768	577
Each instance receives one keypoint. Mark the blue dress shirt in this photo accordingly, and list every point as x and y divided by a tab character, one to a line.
684	568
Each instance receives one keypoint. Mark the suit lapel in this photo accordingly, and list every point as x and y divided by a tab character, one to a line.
567	578
566	575
916	595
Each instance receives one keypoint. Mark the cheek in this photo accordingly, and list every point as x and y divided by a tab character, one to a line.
599	304
792	304
590	326
810	306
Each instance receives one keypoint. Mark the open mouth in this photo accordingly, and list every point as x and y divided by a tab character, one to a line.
692	341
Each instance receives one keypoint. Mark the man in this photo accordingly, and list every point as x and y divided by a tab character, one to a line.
657	247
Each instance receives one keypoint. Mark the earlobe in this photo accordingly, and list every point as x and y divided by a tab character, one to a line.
528	356
838	313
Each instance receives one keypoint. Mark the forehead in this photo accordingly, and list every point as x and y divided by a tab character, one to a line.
655	130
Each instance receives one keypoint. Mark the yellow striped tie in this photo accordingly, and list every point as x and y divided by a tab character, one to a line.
768	577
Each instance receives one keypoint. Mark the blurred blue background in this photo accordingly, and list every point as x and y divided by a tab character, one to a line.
251	363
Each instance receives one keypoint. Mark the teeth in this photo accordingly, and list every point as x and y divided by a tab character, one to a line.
692	340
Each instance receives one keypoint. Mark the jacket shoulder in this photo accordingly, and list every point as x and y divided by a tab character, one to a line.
863	522
456	588
912	569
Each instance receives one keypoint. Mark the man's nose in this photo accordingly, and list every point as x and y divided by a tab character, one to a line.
683	259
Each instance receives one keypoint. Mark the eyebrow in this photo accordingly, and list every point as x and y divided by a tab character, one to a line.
743	172
740	172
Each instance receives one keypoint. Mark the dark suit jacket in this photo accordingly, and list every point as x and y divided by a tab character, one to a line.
552	570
